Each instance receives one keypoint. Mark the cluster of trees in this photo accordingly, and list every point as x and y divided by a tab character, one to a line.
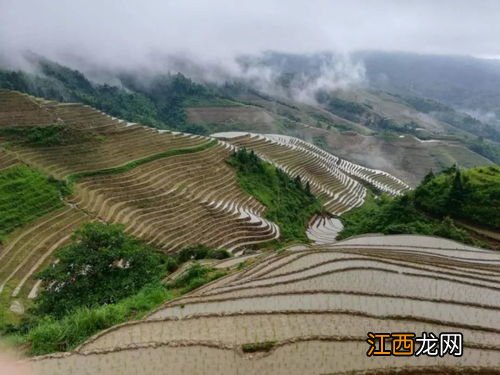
290	203
101	266
470	195
349	110
102	278
169	93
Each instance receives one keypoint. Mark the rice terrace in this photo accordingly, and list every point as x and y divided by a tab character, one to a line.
188	189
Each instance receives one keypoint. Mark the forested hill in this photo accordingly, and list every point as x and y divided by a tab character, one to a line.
159	103
472	195
443	205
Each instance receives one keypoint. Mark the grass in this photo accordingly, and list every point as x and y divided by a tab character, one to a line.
25	195
129	166
289	203
196	276
48	334
264	346
53	335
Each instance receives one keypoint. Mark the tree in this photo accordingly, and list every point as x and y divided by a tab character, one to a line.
457	195
308	188
428	177
102	265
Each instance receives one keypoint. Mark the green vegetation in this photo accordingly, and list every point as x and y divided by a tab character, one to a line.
289	202
102	265
49	334
265	346
35	136
129	166
44	136
195	276
103	278
486	148
471	195
397	216
349	110
25	195
459	120
59	83
197	252
161	102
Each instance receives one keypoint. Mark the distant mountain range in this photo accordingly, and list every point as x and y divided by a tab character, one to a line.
408	111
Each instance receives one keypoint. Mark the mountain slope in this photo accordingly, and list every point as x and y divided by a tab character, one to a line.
171	190
175	102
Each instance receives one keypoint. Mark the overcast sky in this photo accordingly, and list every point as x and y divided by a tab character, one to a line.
131	32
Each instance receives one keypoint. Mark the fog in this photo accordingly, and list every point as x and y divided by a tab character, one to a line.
204	39
142	33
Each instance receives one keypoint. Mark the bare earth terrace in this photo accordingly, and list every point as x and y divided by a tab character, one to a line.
312	310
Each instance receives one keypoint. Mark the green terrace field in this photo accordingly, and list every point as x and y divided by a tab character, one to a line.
25	194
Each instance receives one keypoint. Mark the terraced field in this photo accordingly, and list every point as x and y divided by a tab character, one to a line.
335	180
21	109
168	188
100	142
168	200
173	189
7	159
304	310
29	249
324	229
309	311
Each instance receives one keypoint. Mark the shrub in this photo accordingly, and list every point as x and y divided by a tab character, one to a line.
194	277
258	347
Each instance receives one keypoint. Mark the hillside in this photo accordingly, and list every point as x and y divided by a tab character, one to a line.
406	135
460	81
180	200
71	164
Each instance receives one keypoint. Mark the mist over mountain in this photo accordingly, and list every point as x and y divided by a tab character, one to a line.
466	83
184	66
